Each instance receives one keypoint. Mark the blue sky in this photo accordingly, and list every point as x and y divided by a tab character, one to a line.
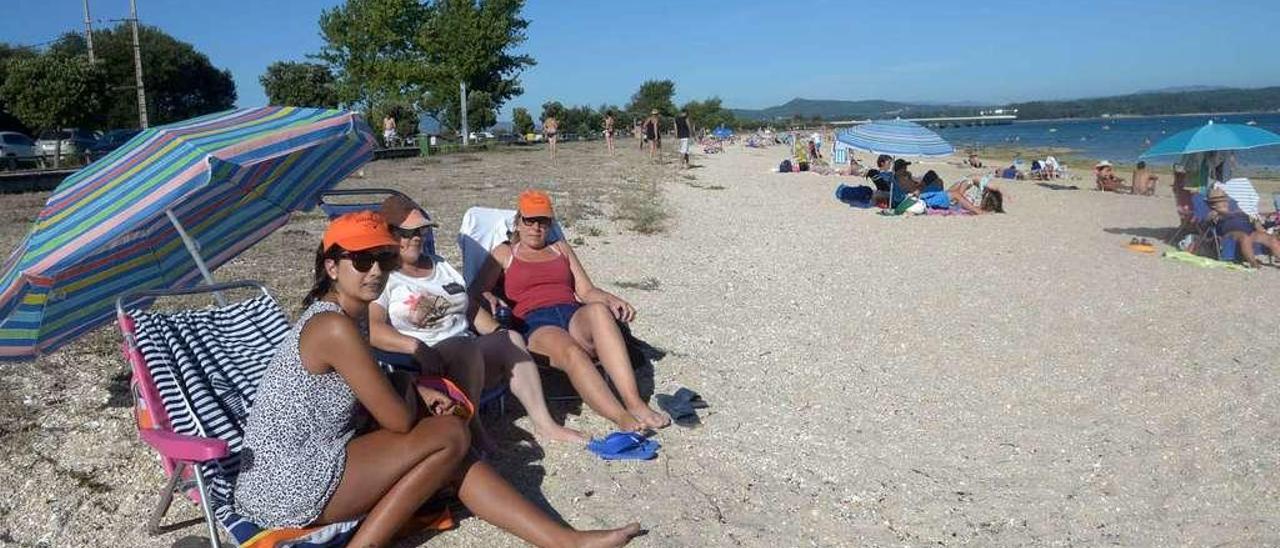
761	53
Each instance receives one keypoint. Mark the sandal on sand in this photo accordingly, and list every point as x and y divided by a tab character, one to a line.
624	446
1141	246
680	407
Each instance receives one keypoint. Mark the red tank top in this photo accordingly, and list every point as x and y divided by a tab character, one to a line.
533	285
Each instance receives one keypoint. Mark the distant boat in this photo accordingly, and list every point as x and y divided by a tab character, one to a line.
1251	123
1106	128
1053	130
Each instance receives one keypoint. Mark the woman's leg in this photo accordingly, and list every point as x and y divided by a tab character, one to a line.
464	364
507	349
390	475
569	356
492	499
594	327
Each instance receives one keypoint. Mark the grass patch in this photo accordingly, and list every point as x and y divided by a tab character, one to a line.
648	283
643	211
577	211
594	231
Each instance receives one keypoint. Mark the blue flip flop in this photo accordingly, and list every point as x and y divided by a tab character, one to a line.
624	446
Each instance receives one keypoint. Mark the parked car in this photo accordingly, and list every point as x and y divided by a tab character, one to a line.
15	147
480	136
111	141
74	141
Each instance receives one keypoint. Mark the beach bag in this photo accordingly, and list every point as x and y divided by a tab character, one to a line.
907	205
784	167
858	196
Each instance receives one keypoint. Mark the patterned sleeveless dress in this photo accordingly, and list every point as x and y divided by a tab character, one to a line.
295	439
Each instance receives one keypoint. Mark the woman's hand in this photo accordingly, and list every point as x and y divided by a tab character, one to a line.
622	310
437	402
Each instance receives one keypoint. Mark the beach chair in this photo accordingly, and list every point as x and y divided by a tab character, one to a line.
1210	244
195	374
484	228
335	203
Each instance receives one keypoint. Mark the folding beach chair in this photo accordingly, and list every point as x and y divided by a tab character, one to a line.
483	229
335	203
195	374
1223	248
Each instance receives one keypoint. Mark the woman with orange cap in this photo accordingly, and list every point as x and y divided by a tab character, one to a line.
566	317
306	465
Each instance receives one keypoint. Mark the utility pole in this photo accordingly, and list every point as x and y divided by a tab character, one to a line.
88	31
465	136
137	65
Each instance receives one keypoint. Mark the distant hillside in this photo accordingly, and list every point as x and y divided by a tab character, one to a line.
845	110
1155	103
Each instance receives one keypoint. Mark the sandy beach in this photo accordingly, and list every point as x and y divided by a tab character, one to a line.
1002	380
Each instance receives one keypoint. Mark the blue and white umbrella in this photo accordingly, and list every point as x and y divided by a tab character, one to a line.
1211	137
895	137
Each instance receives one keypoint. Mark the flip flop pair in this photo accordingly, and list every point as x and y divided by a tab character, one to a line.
681	406
1141	245
624	446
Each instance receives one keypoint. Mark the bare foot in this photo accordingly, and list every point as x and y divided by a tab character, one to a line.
650	418
629	423
555	432
607	537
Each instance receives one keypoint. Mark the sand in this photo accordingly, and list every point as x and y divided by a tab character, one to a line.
1017	379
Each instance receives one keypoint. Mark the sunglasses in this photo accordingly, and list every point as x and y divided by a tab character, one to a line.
409	233
531	221
363	260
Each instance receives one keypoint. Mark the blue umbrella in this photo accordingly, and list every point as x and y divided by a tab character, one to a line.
1211	137
895	137
722	132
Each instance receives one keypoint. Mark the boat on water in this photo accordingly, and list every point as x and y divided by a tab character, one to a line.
1251	123
1053	130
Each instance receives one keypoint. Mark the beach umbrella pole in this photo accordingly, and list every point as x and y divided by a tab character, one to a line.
195	255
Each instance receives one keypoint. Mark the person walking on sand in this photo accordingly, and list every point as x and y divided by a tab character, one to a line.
1144	181
550	127
608	131
653	132
388	131
684	132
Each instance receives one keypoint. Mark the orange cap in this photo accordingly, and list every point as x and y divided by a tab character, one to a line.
535	203
358	231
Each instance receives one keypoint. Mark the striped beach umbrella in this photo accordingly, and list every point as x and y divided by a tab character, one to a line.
160	211
896	138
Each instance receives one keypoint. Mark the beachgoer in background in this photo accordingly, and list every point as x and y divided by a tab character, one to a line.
1051	167
388	131
906	182
976	197
426	303
1239	226
973	160
684	133
551	129
608	131
1144	181
566	317
309	465
1106	179
653	132
931	182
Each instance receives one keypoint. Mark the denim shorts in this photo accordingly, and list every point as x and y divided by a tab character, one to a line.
555	315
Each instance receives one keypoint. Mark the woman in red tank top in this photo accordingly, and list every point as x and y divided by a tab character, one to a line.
566	317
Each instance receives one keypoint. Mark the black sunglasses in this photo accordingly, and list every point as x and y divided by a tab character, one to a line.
407	233
363	260
530	221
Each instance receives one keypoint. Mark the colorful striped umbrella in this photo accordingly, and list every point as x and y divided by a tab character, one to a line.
895	137
213	185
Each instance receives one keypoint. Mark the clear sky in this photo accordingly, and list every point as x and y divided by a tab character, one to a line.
761	53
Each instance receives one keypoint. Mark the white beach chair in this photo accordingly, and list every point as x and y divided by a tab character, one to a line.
484	228
1242	191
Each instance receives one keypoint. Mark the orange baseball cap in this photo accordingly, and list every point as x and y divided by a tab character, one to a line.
358	231
535	203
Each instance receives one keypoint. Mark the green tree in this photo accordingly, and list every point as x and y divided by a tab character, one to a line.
411	50
653	94
709	113
300	85
55	92
552	109
522	121
9	122
406	116
180	81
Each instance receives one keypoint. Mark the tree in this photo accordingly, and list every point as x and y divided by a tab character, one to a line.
54	92
9	122
653	94
300	85
709	113
552	109
522	121
180	82
410	50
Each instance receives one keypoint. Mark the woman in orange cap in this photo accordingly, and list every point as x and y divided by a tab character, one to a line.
566	317
305	464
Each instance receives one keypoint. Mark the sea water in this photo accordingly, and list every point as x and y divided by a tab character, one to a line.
1116	139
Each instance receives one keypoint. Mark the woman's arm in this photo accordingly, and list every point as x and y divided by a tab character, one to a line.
387	338
331	342
588	292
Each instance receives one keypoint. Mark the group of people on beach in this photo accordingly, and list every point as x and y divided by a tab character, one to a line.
894	184
1144	180
330	437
